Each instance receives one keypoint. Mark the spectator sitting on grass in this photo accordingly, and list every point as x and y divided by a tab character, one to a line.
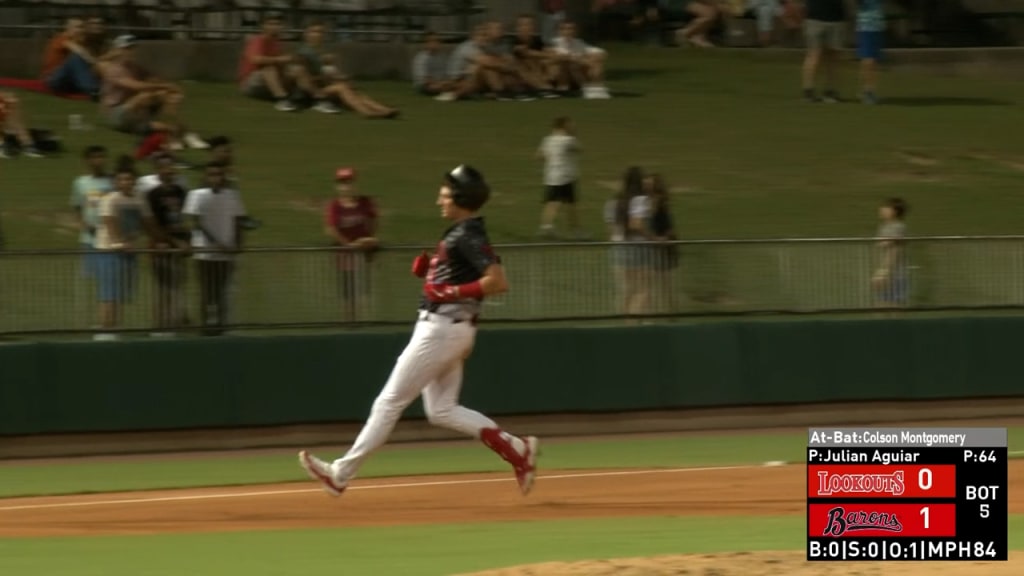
430	68
134	102
13	123
579	64
68	66
318	78
118	236
519	82
265	72
532	58
351	224
471	71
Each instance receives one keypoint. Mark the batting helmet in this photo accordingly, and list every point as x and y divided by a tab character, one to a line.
469	189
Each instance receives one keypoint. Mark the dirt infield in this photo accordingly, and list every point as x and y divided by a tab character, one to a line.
737	491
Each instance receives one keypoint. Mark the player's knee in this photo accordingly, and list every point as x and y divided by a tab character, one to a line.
441	416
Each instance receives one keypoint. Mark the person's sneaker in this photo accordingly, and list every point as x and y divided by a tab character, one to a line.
321	472
831	97
600	93
326	108
525	97
32	152
445	97
193	141
549	94
527	473
284	106
869	98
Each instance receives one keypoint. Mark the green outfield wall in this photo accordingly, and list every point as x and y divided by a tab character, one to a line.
239	382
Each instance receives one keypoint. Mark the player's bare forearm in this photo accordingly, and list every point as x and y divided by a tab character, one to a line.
494	281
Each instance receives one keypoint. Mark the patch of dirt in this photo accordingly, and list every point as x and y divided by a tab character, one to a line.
757	564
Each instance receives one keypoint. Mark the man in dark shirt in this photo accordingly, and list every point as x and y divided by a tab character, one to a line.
532	57
463	271
824	31
164	203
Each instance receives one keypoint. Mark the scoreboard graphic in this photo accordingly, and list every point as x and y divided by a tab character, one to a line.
906	494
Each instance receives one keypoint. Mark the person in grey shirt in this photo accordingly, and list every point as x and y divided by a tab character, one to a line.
430	68
470	70
823	29
891	279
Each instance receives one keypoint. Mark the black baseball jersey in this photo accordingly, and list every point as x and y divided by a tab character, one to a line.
462	256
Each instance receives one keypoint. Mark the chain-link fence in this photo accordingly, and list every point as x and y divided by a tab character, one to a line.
66	291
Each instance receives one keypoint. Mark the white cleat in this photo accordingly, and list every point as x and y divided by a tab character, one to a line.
526	475
321	472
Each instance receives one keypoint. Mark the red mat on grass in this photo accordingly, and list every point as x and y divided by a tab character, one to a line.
35	85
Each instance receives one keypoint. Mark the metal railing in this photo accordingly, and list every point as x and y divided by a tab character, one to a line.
273	288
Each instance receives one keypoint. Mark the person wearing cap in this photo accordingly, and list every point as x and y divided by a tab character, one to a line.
136	104
351	223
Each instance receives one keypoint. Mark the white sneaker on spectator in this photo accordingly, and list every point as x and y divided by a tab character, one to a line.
162	335
326	108
193	141
445	97
284	106
600	92
105	337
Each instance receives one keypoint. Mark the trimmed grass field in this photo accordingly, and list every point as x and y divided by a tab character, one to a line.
744	156
424	550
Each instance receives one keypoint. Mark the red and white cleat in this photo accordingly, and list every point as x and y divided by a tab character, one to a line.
527	473
321	472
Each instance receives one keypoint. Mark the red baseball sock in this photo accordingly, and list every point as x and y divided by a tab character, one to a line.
150	145
510	448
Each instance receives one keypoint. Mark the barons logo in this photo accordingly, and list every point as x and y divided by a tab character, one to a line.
860	483
840	522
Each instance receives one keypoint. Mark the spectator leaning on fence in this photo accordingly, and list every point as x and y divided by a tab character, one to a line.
318	78
430	68
891	279
216	216
351	224
136	103
627	217
265	72
165	203
580	65
14	133
119	234
664	255
68	65
87	191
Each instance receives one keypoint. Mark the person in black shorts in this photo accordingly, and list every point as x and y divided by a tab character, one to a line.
164	203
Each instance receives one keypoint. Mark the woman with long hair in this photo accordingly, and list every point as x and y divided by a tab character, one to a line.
664	257
632	210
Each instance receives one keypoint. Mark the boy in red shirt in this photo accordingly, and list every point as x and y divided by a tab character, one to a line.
351	223
263	72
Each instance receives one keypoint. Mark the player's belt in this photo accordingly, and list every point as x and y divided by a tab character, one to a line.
428	316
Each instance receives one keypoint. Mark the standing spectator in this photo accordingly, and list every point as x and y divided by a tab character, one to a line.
891	280
265	71
580	64
146	184
824	30
664	256
87	191
631	217
870	37
216	219
164	204
559	151
68	65
552	16
351	224
118	236
430	68
13	122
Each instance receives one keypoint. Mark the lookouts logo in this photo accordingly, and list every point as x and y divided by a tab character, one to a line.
829	484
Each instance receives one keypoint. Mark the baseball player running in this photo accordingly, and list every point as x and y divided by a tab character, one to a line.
457	277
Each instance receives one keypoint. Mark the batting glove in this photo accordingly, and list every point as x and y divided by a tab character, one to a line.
420	265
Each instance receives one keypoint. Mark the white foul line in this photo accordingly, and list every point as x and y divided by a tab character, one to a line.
367	487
